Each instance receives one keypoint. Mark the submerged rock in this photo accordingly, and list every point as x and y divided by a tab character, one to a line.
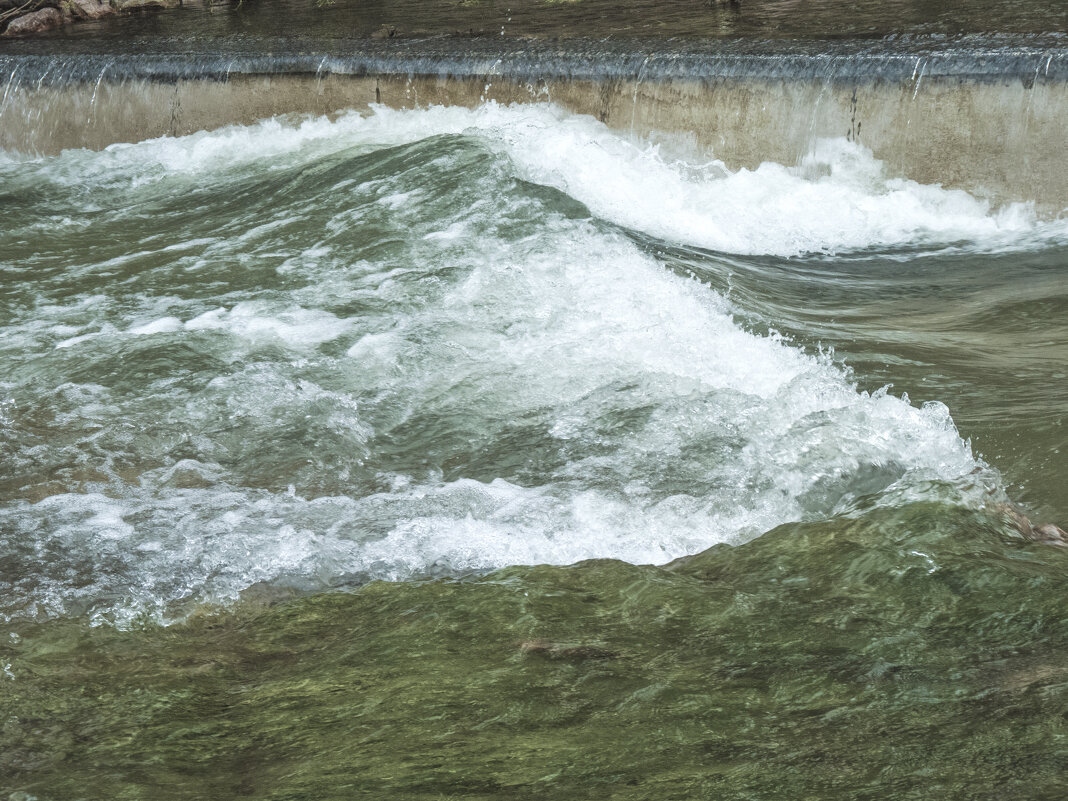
1045	533
35	22
127	6
557	651
89	9
1050	534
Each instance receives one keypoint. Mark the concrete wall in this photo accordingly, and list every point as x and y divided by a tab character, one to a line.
1001	140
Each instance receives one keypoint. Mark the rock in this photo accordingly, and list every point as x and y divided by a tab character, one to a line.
557	651
1026	678
34	22
1046	533
128	6
1049	534
89	9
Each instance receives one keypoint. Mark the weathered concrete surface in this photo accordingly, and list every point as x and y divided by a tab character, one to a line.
999	140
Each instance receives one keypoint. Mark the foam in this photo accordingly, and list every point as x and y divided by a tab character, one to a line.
295	327
729	434
837	198
506	384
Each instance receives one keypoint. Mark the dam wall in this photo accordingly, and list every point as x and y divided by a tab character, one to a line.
990	121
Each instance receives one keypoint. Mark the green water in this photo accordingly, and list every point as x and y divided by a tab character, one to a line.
490	454
910	655
982	330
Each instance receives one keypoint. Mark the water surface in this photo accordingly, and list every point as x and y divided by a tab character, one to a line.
493	453
750	19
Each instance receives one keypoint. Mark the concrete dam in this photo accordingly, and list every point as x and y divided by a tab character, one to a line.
983	114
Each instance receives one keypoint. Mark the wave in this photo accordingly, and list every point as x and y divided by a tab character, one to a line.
410	358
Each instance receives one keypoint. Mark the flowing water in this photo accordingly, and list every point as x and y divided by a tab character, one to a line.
494	454
316	21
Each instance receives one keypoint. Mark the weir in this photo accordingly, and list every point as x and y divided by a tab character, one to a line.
980	114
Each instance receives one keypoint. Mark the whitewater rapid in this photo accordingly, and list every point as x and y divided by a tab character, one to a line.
310	353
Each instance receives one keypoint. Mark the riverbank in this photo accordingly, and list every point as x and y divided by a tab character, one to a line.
22	18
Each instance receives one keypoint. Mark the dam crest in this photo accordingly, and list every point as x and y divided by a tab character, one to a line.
983	114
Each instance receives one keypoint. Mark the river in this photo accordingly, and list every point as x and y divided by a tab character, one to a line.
496	453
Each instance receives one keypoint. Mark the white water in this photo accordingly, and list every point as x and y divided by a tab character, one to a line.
838	198
500	328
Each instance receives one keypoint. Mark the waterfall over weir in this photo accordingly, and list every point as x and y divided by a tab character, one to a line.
984	114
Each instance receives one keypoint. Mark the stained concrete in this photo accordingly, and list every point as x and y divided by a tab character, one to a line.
1002	140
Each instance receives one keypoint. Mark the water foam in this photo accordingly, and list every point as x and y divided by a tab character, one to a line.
506	384
837	198
671	428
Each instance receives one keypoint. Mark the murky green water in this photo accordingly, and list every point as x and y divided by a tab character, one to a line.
907	654
490	454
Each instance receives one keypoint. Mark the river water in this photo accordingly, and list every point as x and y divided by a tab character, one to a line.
491	453
315	22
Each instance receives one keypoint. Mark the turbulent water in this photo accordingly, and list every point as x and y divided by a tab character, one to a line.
281	362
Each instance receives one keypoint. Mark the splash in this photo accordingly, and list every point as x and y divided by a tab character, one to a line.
418	343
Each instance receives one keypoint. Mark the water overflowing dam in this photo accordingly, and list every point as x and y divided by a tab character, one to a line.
981	115
493	418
